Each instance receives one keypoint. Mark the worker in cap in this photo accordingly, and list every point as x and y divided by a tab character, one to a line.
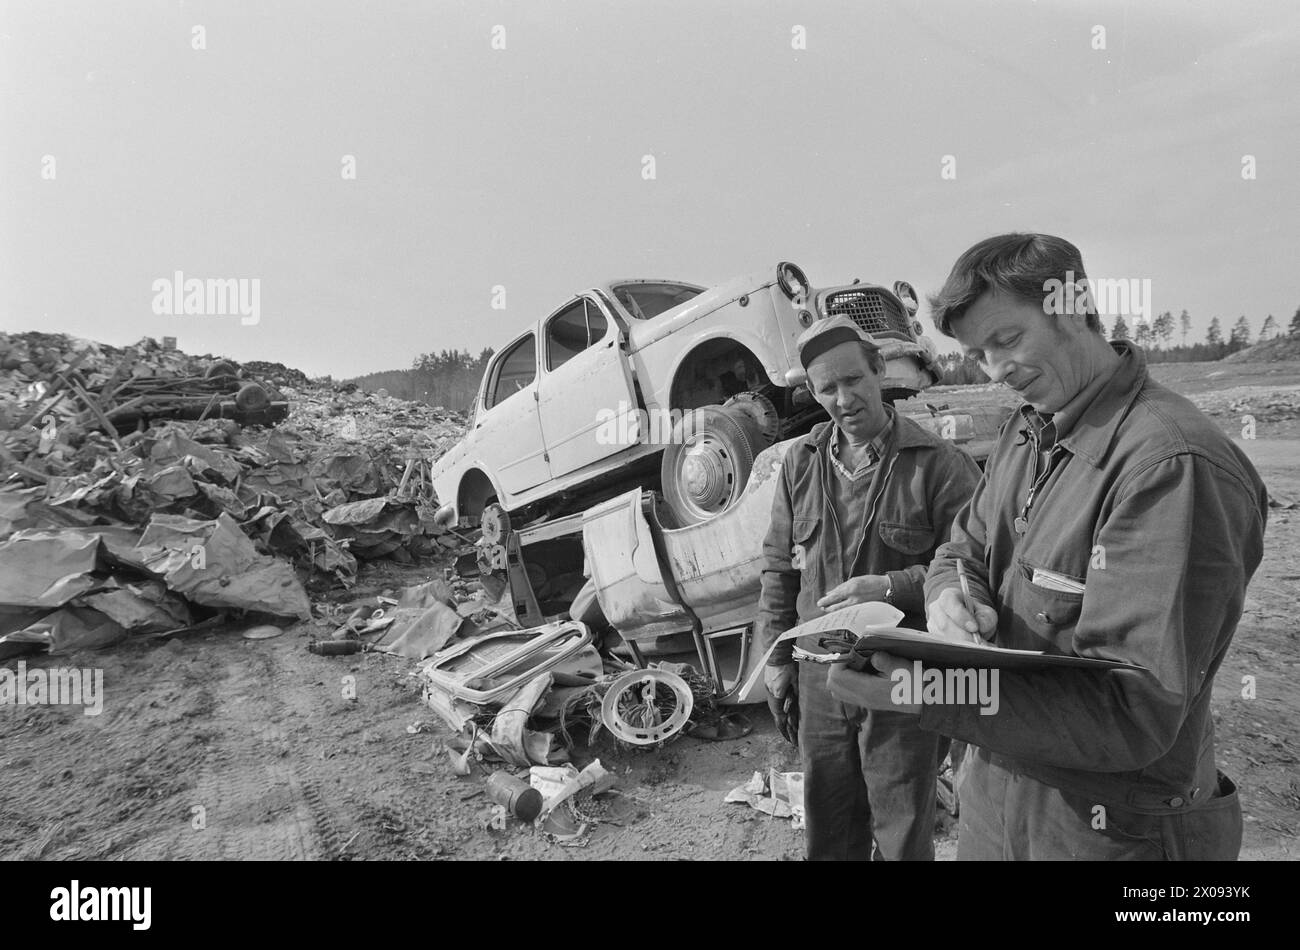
861	504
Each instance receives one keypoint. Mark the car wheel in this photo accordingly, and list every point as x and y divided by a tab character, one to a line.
252	398
707	462
759	408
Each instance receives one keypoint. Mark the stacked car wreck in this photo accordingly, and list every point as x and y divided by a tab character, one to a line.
633	434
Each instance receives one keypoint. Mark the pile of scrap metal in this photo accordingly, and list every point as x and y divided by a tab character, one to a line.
88	587
521	695
79	387
85	505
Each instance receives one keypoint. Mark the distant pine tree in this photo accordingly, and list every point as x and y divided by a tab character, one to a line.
1240	338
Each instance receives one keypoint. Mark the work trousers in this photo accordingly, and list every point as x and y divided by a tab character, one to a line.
866	774
1007	816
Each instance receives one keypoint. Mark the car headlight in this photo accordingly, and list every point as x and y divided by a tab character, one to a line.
792	280
906	293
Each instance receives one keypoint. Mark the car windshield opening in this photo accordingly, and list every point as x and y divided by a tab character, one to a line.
647	301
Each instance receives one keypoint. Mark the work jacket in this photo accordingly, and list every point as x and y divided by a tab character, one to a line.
918	487
1138	548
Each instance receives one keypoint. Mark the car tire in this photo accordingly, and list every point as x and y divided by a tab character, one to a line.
707	463
252	398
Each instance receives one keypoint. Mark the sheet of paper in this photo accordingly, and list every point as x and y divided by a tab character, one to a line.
857	619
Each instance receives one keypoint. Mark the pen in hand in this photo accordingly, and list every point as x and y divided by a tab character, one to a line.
968	601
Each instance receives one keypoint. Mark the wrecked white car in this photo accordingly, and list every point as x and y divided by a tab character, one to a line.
660	384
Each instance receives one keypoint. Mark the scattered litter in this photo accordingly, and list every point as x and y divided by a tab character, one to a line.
262	632
559	785
335	647
779	794
518	798
467	748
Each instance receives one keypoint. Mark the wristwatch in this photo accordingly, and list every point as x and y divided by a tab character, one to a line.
889	591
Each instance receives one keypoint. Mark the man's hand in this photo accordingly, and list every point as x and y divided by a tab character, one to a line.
874	687
947	616
856	590
782	684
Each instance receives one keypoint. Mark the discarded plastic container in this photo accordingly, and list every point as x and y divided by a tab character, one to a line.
520	799
335	647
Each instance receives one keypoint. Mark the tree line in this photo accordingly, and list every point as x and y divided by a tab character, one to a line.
449	379
1155	337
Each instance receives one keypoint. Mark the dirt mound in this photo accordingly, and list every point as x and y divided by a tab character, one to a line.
1270	351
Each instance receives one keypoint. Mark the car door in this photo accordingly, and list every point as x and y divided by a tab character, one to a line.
585	385
509	431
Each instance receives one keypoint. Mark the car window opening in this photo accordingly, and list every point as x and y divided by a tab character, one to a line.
573	330
647	301
517	369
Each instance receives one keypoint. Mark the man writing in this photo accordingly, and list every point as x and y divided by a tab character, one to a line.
1114	521
862	503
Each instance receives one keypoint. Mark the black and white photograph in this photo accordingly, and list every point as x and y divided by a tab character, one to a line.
729	431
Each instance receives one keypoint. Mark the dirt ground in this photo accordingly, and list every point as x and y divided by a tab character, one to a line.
212	746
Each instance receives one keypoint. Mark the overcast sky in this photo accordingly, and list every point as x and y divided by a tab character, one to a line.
523	166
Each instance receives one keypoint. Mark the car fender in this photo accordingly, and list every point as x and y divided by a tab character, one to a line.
659	366
447	478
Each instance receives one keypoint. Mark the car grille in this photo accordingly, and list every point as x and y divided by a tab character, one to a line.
871	310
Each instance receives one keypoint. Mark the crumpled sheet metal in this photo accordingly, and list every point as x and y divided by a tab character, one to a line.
76	628
15	508
140	606
511	737
46	568
420	632
230	572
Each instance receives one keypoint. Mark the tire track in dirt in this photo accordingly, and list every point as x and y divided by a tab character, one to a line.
258	804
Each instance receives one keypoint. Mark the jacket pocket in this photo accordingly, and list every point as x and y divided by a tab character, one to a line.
908	538
1049	612
804	555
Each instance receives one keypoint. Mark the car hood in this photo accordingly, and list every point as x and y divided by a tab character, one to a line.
641	333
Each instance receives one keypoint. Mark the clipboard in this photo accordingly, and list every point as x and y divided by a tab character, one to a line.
876	627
